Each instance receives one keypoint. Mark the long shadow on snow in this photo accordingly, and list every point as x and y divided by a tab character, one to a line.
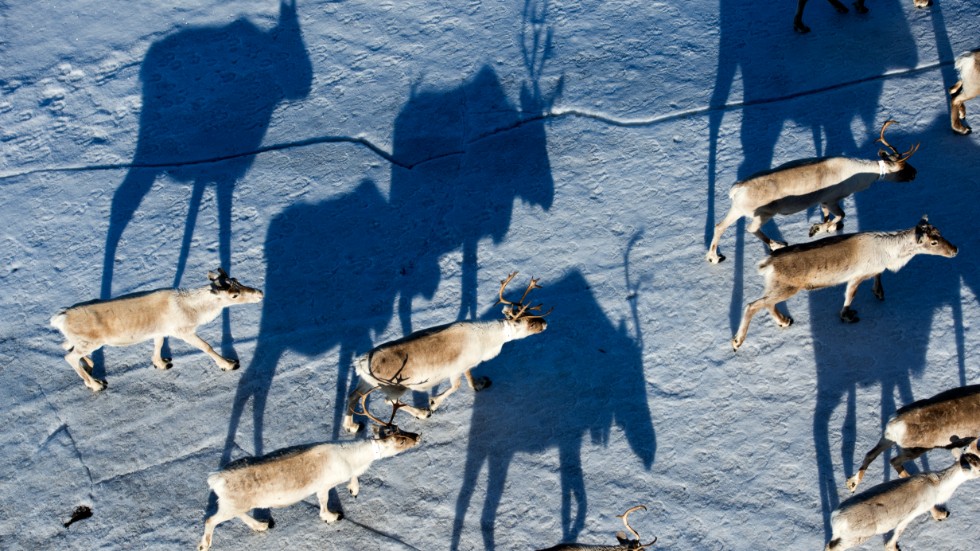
777	65
208	95
889	345
581	377
336	268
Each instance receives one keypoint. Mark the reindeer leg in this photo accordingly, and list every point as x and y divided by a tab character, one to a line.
883	445
436	401
326	514
877	289
829	224
841	8
78	354
192	339
957	109
362	388
253	523
479	384
755	228
906	455
159	361
217	518
743	327
730	218
354	487
846	314
892	543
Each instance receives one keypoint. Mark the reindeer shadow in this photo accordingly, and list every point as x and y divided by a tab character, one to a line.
778	68
208	96
351	257
585	379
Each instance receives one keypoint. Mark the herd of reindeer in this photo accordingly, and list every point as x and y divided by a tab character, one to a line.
424	359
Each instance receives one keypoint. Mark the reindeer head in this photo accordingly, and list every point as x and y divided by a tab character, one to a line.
930	241
969	459
895	165
230	290
519	314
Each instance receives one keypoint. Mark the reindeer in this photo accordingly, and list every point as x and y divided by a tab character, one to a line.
798	185
624	542
950	419
859	7
139	317
850	259
891	506
966	88
425	358
287	476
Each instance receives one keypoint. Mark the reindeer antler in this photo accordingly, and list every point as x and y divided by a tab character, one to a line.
625	517
901	156
518	309
395	406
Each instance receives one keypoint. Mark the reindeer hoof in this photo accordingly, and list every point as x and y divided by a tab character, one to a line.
852	483
785	323
799	27
814	229
233	365
714	258
849	316
775	245
98	385
736	343
482	383
963	130
940	513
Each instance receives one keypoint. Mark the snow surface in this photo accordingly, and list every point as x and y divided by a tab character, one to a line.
381	172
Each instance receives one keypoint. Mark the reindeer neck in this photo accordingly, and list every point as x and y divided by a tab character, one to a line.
950	479
200	300
364	452
896	248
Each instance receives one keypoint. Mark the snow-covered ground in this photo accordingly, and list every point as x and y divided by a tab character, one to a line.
377	167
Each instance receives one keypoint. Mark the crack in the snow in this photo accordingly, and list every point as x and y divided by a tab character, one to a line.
552	115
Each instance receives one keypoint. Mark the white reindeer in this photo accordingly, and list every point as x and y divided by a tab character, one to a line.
950	419
425	358
287	476
967	88
850	259
139	317
799	185
891	506
624	542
